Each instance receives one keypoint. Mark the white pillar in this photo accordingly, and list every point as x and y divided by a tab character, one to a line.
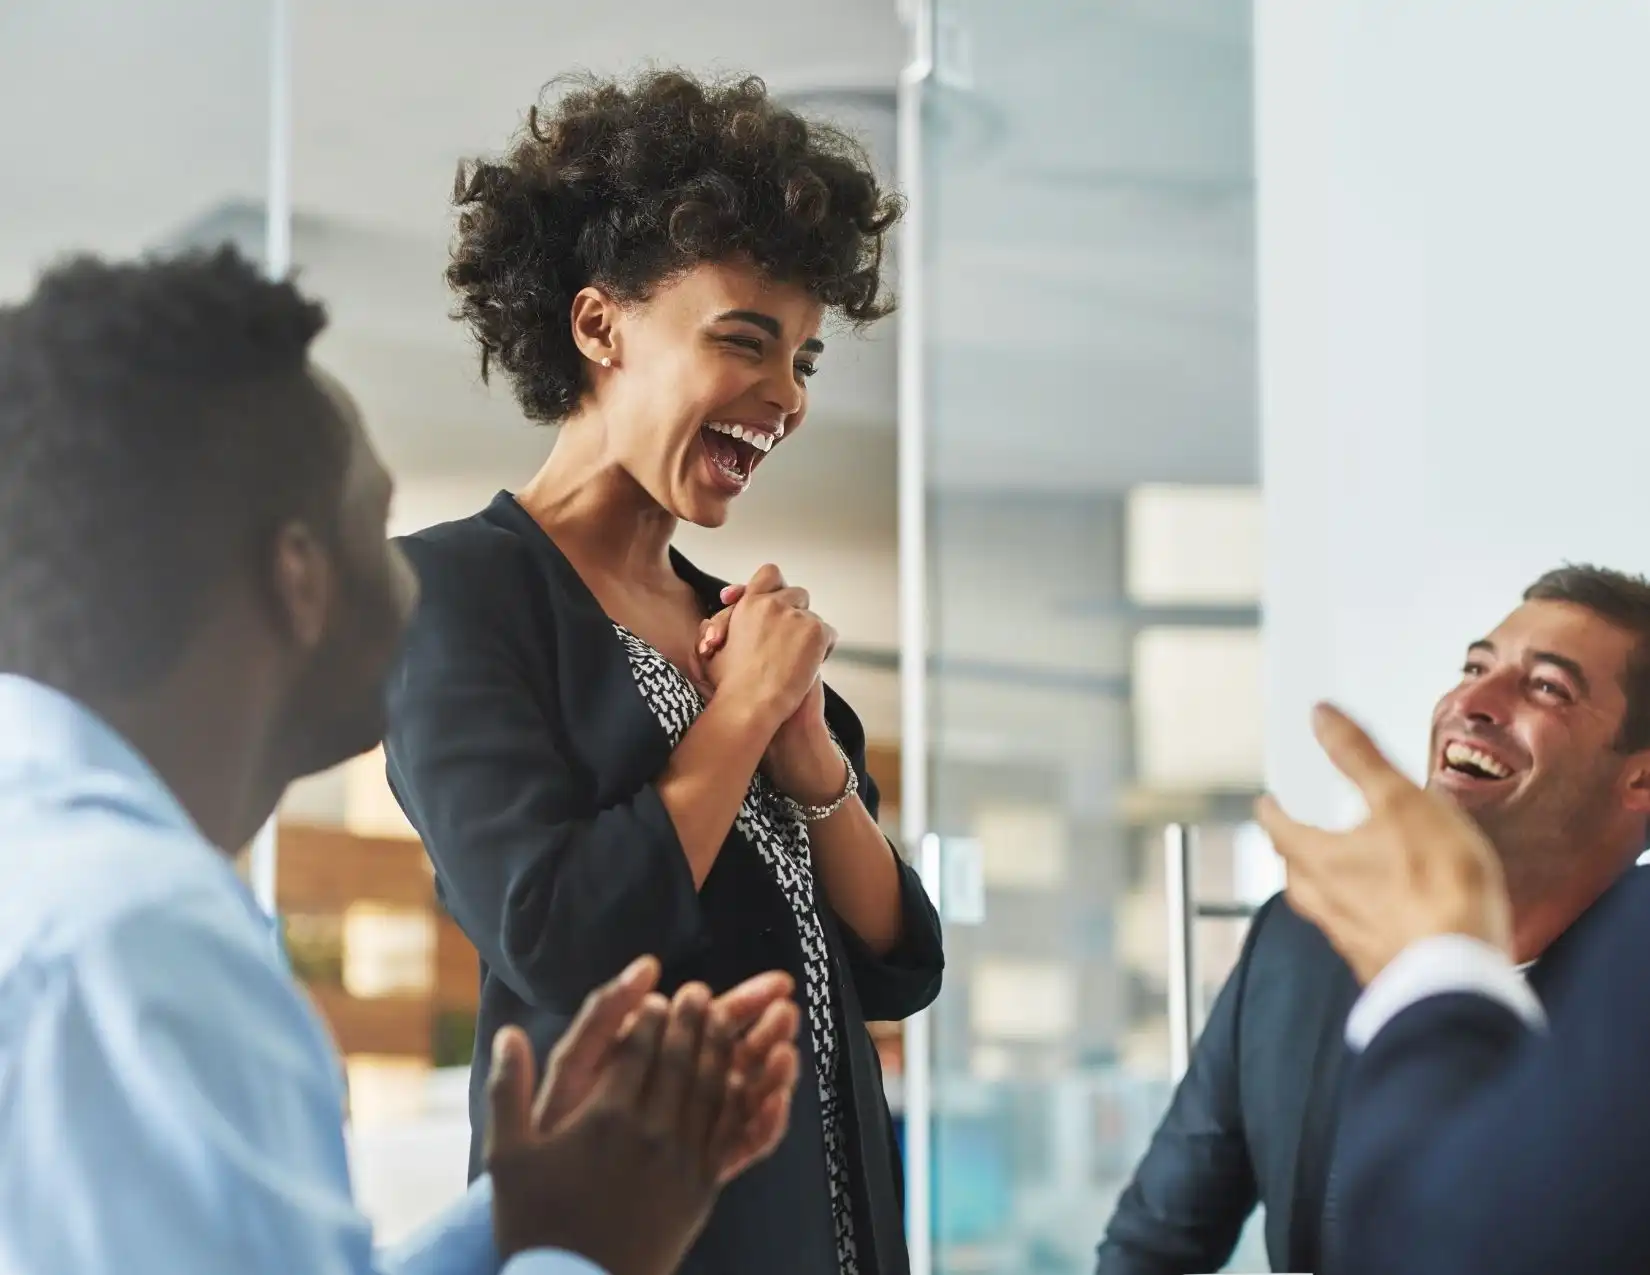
913	622
277	264
1453	214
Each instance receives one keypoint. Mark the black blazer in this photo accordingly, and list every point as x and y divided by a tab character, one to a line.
523	753
1254	1119
1470	1144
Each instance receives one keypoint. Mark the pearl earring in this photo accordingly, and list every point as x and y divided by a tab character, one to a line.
607	362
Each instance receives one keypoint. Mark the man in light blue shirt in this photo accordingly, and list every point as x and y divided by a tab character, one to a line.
197	604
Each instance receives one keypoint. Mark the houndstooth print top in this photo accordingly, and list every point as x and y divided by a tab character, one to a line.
782	840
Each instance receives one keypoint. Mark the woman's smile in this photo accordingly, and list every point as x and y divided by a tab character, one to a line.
733	449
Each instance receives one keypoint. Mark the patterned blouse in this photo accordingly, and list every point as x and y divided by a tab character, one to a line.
782	840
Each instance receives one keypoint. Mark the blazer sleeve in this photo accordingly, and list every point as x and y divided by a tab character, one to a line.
1468	1141
907	979
556	896
1194	1189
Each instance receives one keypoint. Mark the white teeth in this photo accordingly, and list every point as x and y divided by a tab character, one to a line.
757	438
1464	754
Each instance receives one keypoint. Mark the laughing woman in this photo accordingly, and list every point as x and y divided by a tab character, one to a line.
606	752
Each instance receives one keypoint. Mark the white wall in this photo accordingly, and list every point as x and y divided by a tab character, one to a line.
1454	291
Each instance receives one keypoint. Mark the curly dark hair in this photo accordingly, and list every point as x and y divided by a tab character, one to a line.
626	185
157	426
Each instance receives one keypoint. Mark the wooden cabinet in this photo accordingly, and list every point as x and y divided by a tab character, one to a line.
328	876
323	874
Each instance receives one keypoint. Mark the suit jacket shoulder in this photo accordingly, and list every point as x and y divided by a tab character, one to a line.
473	565
1234	1129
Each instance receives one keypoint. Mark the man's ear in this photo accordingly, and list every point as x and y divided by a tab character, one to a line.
305	585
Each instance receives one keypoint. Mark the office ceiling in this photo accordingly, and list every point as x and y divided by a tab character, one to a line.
1090	206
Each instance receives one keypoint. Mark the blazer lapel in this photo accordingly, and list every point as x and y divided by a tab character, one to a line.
1308	1182
619	741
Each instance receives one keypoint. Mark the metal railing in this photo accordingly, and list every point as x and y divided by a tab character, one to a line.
1185	911
277	264
913	594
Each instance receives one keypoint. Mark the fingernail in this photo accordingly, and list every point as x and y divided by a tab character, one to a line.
500	1049
635	969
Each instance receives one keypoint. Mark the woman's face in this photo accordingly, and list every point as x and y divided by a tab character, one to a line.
708	377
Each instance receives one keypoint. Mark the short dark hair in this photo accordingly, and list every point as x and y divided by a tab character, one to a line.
1623	600
153	438
625	185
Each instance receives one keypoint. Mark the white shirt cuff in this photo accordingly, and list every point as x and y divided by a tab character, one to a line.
1432	967
544	1261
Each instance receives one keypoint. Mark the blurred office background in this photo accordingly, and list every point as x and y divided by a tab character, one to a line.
1451	300
1093	549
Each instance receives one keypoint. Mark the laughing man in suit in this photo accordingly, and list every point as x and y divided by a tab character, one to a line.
1486	1127
1538	740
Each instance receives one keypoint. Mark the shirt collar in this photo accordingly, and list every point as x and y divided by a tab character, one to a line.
45	733
44	730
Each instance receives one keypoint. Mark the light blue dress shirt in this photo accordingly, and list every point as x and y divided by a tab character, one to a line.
169	1101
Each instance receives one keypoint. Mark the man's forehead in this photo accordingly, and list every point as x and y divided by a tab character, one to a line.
1563	628
1551	617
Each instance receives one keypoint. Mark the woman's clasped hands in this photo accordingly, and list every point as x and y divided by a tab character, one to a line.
766	648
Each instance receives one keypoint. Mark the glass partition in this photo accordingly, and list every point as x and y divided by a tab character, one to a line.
1091	565
132	127
139	128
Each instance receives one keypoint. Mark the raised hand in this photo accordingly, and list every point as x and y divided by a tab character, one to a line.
1416	867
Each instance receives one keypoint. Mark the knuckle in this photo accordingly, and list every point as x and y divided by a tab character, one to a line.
496	1081
500	1161
719	1027
713	1074
655	1138
609	1120
636	1044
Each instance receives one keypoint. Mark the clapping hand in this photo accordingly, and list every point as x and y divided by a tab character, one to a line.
647	1108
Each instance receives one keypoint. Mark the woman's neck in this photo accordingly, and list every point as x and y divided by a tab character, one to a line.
598	514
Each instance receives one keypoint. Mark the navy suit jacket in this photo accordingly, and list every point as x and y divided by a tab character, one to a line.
1470	1143
1255	1118
1251	1120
